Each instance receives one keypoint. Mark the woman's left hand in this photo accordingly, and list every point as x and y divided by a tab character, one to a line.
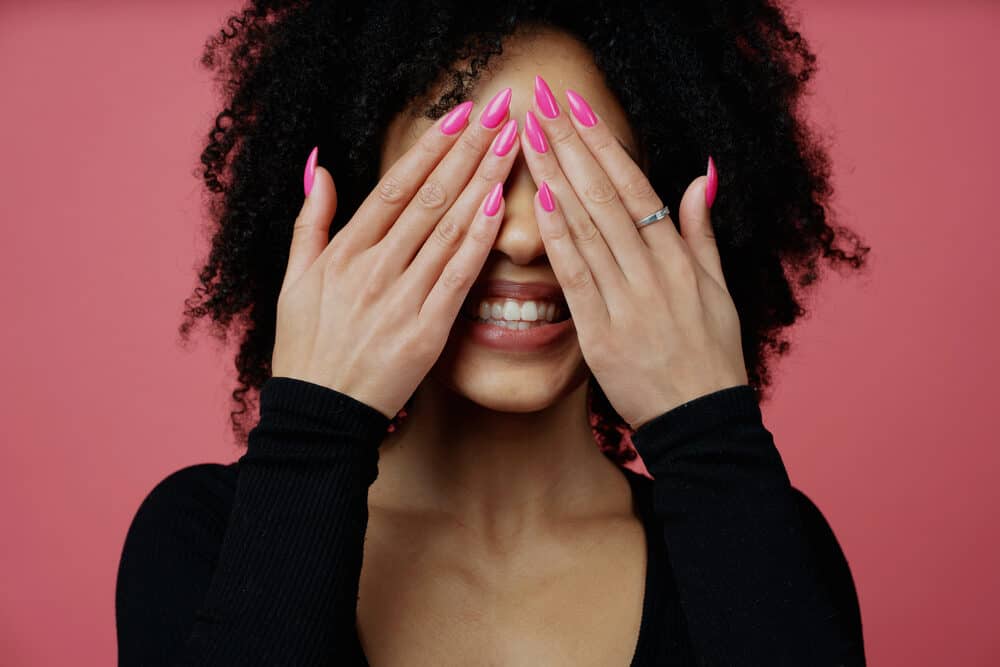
653	315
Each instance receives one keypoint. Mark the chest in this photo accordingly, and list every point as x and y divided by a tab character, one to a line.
573	600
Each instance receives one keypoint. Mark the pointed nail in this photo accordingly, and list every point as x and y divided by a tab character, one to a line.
712	186
496	109
505	140
454	120
581	110
492	203
545	197
310	173
545	99
536	137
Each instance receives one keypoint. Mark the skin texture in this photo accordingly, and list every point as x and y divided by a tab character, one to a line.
297	75
494	484
500	440
467	506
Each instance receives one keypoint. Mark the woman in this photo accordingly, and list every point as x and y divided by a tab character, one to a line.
486	275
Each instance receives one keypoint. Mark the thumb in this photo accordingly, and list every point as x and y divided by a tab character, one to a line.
696	226
311	231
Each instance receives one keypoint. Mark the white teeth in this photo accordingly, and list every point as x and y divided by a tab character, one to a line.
511	310
529	311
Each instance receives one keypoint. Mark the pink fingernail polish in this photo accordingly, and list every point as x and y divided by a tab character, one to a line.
545	99
534	131
505	140
310	173
454	120
492	203
712	186
496	109
545	197
581	110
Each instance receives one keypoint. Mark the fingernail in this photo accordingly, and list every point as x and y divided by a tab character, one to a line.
581	109
454	120
712	186
505	140
534	131
545	99
492	203
545	197
310	174
496	109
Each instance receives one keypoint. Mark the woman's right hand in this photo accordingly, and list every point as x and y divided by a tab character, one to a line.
369	313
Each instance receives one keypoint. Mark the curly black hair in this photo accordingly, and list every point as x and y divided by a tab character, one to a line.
722	77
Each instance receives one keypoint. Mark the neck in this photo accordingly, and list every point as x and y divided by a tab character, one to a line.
501	475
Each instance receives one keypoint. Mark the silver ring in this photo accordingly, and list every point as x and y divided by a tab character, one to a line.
653	217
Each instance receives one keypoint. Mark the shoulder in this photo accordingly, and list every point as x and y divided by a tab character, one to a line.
168	557
830	559
191	504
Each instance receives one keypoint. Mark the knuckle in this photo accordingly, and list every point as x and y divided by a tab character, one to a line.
489	172
447	232
429	146
638	186
432	194
390	190
556	232
337	257
456	278
470	143
561	135
682	269
603	142
481	235
584	231
578	280
549	171
371	289
331	269
600	191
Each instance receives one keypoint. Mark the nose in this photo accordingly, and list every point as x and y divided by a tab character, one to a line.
518	237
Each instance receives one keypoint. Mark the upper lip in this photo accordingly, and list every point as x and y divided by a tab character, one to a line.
516	290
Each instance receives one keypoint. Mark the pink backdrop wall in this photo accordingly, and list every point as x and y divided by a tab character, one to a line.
883	413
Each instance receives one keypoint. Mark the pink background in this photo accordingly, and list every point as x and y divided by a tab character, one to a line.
883	413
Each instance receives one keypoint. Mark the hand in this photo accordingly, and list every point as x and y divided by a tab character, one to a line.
369	313
653	315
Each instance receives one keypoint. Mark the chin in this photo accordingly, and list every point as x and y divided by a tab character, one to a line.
509	382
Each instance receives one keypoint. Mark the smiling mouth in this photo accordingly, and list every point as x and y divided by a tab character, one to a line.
515	314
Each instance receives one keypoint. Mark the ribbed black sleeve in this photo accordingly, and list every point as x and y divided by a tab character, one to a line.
752	587
284	588
259	562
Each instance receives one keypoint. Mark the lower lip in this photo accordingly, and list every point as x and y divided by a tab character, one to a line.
502	338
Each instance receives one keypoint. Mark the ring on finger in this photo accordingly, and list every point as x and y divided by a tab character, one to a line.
653	217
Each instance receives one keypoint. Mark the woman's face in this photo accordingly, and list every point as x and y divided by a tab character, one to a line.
518	380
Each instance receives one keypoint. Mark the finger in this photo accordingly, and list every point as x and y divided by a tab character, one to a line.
448	180
311	231
696	229
441	307
589	241
594	188
420	276
630	182
400	183
574	275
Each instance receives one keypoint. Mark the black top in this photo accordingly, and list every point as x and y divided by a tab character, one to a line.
258	562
